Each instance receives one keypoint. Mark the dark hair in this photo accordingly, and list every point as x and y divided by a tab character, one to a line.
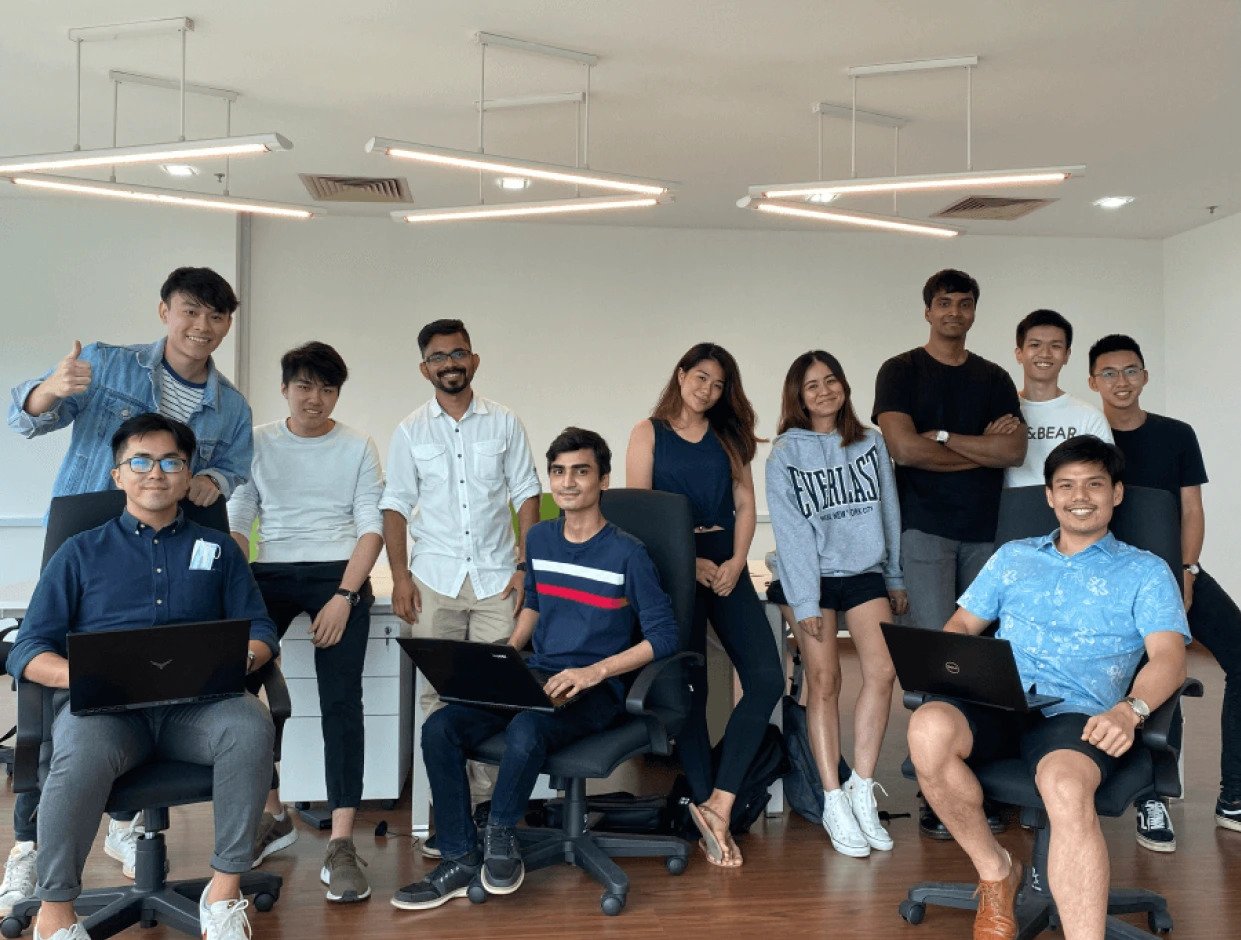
948	281
1115	342
1044	318
317	361
440	328
1085	448
572	438
151	423
732	418
201	284
793	413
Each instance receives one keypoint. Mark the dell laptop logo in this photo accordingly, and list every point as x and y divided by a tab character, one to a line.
952	667
163	665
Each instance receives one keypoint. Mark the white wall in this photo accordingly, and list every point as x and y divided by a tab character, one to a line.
1202	309
78	269
583	324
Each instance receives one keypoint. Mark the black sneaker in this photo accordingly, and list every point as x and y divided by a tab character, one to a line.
929	824
995	817
1228	814
1155	827
429	848
450	879
503	870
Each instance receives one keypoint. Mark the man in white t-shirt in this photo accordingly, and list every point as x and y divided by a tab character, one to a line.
1052	415
314	488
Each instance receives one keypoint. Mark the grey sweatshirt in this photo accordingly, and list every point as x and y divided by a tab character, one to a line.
835	513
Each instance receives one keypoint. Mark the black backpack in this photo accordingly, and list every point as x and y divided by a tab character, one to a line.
803	790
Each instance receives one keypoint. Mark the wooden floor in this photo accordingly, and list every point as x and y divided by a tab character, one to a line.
792	884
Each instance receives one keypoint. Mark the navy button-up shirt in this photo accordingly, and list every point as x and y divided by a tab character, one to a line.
125	575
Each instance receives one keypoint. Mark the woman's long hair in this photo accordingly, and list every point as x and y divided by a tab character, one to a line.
732	418
793	413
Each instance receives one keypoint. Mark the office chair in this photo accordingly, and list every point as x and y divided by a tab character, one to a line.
150	789
1148	519
655	708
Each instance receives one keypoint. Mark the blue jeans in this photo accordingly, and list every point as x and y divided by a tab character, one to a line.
452	733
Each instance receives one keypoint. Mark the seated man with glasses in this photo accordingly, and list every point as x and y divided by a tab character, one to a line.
461	460
1163	453
146	568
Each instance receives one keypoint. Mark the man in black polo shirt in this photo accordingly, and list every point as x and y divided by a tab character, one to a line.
1163	453
952	422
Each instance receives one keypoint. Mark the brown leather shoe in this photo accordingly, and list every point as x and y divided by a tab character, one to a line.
996	918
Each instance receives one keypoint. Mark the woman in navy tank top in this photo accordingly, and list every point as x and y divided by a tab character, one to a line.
700	441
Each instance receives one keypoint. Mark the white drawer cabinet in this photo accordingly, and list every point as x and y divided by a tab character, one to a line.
386	705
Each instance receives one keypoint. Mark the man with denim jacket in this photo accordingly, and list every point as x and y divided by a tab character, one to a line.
98	387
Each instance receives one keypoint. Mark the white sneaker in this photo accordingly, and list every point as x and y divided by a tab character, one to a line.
121	843
842	828
861	793
223	920
19	876
76	932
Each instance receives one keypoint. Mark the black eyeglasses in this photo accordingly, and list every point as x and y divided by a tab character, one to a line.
457	355
144	464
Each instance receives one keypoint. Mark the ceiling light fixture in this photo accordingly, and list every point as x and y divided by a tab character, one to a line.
978	179
156	194
516	173
848	217
147	153
514	210
1113	202
487	163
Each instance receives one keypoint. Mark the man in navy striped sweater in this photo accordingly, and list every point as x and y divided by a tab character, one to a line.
586	584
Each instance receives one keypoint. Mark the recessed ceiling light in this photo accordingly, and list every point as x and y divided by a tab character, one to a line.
513	182
822	197
179	169
1113	202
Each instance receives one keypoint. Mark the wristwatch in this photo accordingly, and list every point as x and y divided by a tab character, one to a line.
1140	708
353	597
941	437
1192	568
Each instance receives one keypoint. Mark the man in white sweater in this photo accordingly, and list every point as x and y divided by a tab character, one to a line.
315	487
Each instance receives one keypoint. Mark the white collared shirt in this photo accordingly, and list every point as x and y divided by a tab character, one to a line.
461	477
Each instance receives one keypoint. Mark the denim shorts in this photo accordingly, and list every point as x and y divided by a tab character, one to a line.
841	594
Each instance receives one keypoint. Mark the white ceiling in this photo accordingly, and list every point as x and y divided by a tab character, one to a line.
713	93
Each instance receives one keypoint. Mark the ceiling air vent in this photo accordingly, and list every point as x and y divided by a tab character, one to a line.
356	188
991	208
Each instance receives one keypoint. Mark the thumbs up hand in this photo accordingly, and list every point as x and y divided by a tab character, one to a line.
72	375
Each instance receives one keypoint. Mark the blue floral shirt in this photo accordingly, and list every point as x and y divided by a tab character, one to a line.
1077	624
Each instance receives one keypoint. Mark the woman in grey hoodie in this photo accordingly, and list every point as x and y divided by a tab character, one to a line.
832	497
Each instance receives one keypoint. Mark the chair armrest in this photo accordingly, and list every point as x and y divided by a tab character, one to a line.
32	699
271	680
635	701
914	700
1159	733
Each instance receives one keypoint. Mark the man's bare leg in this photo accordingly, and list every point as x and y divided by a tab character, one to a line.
1077	866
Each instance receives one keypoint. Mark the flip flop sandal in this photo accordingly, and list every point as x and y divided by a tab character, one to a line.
710	843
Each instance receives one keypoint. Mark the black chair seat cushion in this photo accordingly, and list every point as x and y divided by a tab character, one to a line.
594	756
1010	781
164	783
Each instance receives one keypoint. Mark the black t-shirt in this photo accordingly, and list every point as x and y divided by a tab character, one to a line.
1163	453
963	505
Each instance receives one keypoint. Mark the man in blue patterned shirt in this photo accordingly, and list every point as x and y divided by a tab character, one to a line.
1079	608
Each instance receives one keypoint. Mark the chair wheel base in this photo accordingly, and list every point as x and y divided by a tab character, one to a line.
1159	922
612	904
676	864
13	926
912	912
264	902
476	892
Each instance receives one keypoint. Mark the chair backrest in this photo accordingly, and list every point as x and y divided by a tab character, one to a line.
1146	518
664	523
70	515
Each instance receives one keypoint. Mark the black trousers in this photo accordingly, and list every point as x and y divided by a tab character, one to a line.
292	588
1215	622
745	634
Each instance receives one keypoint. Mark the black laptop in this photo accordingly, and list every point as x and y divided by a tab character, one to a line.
971	668
120	670
486	675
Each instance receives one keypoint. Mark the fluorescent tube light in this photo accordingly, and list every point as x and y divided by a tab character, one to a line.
1113	202
512	166
147	153
933	181
885	223
515	210
172	197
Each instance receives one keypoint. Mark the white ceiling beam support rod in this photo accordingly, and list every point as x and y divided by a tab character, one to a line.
164	27
154	81
536	48
827	109
917	65
533	101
